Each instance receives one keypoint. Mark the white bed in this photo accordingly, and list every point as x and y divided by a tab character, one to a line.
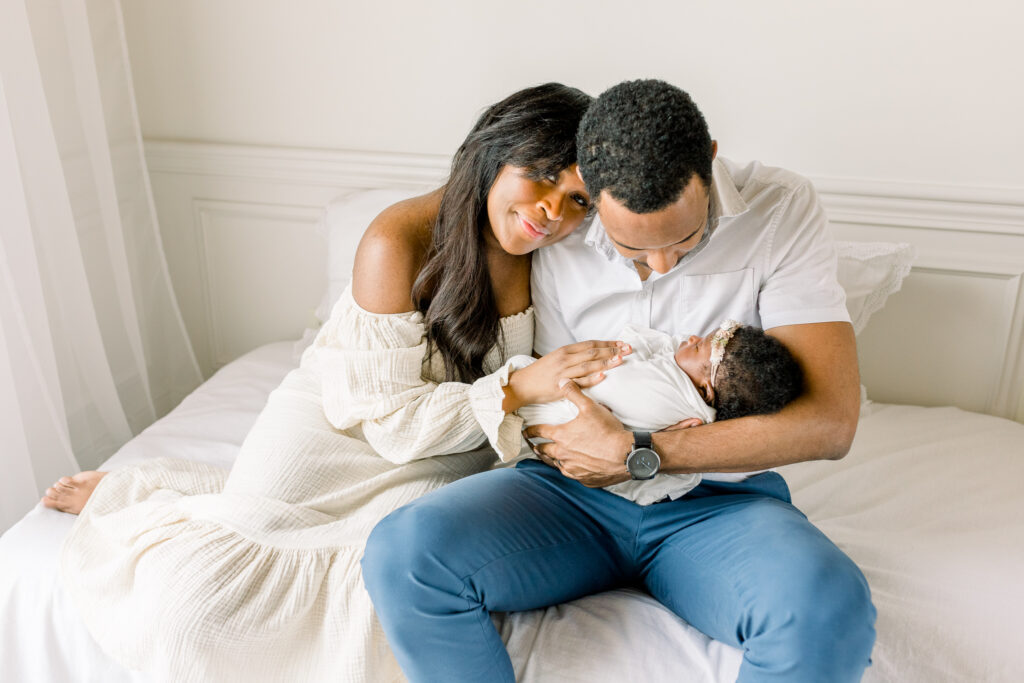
927	503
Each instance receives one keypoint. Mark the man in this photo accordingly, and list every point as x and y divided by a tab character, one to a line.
682	242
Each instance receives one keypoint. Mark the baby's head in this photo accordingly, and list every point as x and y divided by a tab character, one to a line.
756	374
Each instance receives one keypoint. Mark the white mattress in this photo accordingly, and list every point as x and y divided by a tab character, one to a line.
927	503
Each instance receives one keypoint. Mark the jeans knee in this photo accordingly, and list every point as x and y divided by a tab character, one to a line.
401	559
818	624
835	621
389	549
842	601
843	627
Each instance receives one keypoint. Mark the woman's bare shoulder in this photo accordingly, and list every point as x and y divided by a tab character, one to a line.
391	253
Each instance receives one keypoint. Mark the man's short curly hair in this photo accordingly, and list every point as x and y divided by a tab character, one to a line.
758	376
643	141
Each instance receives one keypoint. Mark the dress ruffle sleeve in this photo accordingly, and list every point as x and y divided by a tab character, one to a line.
371	371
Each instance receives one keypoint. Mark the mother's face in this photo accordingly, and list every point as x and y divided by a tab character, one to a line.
526	212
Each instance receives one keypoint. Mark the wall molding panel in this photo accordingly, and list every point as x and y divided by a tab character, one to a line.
239	225
294	166
239	243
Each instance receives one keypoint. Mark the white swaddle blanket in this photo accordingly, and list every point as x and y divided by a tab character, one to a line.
648	392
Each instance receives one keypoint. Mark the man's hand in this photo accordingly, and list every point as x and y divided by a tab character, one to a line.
591	448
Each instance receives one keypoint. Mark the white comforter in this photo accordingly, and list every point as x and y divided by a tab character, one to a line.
927	503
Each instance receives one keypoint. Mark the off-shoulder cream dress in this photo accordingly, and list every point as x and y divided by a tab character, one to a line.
195	574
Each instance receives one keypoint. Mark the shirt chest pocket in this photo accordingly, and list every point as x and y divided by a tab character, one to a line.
706	300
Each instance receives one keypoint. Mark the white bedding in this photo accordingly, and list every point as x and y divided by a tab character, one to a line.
927	503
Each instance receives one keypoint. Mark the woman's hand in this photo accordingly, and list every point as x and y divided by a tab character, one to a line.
583	362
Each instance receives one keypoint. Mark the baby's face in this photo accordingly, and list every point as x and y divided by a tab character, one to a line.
694	358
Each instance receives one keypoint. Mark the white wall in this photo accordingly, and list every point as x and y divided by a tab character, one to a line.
906	115
925	92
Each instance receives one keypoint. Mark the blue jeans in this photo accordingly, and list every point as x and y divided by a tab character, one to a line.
735	560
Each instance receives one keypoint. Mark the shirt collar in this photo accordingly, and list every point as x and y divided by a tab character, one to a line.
725	202
597	239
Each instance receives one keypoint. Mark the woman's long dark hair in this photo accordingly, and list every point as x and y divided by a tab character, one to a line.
534	128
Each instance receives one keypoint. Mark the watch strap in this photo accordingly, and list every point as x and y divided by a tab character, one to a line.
642	440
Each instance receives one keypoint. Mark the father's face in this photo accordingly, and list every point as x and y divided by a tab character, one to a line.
656	241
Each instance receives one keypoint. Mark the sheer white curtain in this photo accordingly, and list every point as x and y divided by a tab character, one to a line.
92	345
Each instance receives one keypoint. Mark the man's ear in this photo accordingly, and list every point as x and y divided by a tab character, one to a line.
714	150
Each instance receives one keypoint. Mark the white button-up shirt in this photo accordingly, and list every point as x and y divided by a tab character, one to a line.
766	259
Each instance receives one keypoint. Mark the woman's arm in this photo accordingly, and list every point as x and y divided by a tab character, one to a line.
370	353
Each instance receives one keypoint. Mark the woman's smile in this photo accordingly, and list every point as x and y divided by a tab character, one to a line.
533	229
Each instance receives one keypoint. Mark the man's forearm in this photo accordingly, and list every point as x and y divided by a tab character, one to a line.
755	443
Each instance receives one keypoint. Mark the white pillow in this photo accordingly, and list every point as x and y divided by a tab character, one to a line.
342	223
869	272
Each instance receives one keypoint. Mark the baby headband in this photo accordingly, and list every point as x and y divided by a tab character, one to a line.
718	342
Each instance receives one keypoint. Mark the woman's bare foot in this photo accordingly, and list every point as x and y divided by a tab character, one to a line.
70	494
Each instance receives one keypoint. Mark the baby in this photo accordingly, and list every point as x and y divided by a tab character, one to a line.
736	370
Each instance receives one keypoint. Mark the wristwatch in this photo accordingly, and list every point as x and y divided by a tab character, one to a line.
642	462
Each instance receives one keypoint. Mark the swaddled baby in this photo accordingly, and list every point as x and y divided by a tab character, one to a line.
734	371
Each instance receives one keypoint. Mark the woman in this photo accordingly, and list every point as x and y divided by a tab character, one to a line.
197	575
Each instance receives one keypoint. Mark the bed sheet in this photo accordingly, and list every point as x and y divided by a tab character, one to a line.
927	503
42	640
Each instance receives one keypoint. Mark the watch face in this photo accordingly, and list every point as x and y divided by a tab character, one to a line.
643	463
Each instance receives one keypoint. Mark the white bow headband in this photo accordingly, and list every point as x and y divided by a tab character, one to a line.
718	342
